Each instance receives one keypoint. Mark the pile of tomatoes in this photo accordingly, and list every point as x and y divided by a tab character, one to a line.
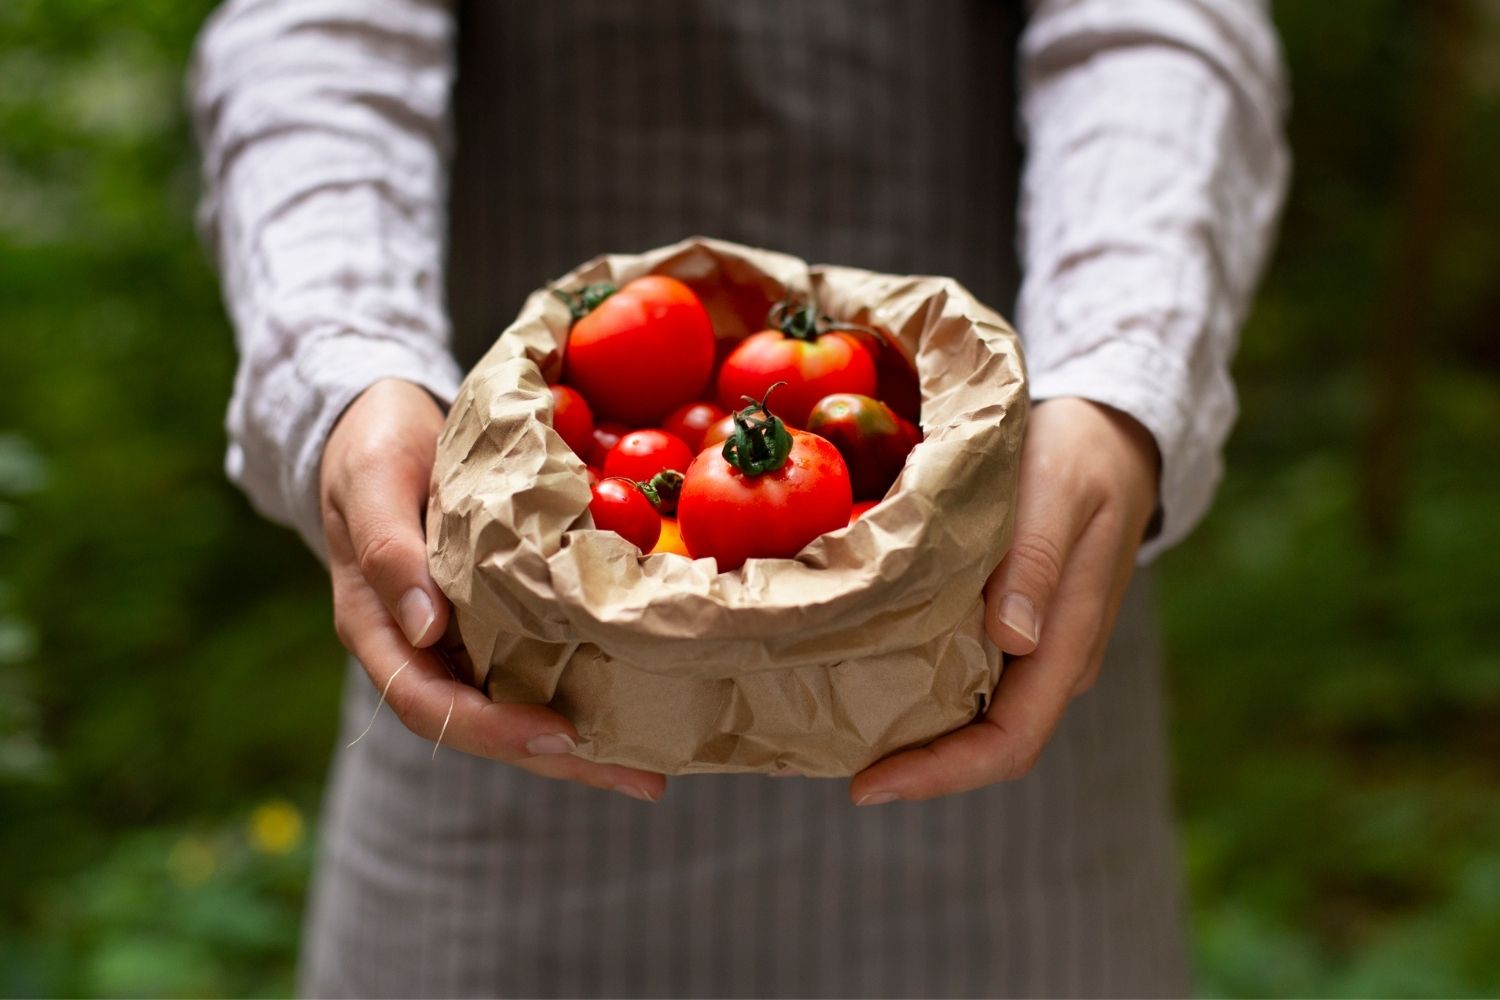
751	456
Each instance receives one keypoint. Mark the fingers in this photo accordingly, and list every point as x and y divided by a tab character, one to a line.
1030	699
427	699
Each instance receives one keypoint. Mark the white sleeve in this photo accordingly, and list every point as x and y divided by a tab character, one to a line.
1156	169
323	129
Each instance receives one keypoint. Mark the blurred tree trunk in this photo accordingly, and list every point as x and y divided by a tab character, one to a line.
1403	320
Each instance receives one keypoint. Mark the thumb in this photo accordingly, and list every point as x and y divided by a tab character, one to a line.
1021	588
383	503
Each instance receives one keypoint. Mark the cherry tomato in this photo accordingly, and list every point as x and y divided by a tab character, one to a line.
671	539
618	505
640	455
691	421
872	438
859	509
605	437
720	431
595	476
572	418
639	352
802	352
765	494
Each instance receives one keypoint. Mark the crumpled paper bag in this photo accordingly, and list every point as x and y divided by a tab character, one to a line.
870	641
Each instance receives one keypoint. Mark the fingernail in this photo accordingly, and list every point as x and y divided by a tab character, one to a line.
416	614
635	793
1017	611
878	799
539	746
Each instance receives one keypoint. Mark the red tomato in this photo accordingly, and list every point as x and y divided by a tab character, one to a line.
859	509
595	476
640	455
721	430
617	505
812	361
870	436
639	352
572	418
780	491
691	421
605	437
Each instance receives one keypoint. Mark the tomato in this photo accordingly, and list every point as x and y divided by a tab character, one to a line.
802	352
764	494
572	418
606	435
671	539
595	476
618	505
860	508
639	352
691	421
872	438
640	455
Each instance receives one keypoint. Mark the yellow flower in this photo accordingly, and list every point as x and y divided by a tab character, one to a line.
275	827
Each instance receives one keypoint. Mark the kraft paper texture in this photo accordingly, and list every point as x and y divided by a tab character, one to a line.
870	641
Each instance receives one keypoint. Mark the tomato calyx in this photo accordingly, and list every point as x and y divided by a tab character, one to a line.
662	490
586	299
760	442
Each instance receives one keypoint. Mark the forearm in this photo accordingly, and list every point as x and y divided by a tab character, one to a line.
323	131
1156	168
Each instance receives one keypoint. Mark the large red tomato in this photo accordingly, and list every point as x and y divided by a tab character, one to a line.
619	505
572	419
764	494
801	351
640	455
639	352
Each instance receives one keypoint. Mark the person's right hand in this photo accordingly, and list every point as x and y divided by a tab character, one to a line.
388	611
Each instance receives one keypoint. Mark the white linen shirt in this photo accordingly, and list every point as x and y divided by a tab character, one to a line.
1155	170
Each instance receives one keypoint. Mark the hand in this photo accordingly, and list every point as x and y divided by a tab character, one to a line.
1087	490
388	611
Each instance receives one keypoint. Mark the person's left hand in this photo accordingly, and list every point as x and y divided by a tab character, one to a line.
1086	493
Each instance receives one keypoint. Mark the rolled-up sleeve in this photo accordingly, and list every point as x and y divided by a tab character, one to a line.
323	131
1155	173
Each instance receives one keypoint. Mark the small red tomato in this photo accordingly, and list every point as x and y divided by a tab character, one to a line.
639	352
721	430
572	418
617	505
775	491
872	438
595	476
801	351
640	455
605	437
859	508
691	421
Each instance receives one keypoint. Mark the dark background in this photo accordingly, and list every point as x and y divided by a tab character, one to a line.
168	674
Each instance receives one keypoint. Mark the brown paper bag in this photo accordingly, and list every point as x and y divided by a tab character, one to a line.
869	641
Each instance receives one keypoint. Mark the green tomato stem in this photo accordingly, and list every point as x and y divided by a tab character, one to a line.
760	442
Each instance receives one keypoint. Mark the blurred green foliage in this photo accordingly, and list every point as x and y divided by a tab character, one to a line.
168	677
